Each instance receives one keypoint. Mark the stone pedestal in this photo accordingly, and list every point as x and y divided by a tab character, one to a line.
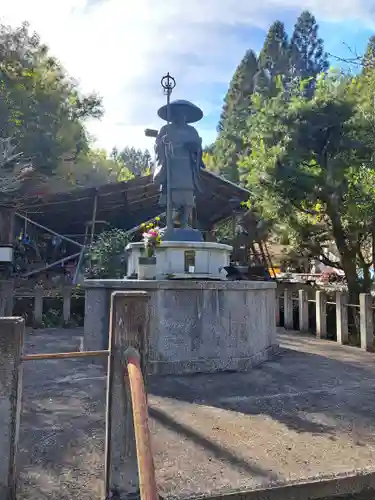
195	326
184	259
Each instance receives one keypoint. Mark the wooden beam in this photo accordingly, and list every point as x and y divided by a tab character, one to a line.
60	261
48	230
149	132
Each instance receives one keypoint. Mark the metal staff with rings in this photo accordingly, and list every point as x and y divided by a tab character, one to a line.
168	83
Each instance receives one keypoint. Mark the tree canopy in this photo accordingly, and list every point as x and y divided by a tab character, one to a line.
137	161
310	167
300	137
41	107
279	63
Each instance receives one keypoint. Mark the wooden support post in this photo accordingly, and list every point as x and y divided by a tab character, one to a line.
6	296
67	299
303	311
342	318
288	310
8	287
38	306
129	322
7	216
11	347
367	321
321	314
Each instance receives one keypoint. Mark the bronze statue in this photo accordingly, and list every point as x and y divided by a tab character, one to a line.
178	149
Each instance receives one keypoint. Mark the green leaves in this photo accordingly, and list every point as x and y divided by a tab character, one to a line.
283	69
105	258
311	166
40	106
306	50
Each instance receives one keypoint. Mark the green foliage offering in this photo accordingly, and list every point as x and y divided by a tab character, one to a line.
106	256
151	236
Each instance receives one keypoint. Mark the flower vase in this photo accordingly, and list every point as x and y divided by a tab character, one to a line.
147	268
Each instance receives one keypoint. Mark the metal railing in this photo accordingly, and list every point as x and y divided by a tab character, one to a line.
65	355
146	469
133	376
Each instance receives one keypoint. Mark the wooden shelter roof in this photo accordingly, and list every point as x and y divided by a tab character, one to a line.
127	204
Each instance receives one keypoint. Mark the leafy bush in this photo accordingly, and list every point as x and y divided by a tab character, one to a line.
105	258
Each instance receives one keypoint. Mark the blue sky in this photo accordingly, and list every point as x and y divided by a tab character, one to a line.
121	49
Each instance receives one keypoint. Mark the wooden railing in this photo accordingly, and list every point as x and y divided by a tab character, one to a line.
11	295
39	294
289	303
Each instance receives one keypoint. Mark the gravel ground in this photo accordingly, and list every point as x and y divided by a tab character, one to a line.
308	414
62	423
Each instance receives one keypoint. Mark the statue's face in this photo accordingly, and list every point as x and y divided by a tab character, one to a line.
178	117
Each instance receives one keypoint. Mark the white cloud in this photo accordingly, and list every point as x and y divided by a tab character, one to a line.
121	48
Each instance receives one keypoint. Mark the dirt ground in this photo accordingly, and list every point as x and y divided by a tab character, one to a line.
306	415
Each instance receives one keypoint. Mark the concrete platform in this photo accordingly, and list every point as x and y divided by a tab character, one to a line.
299	426
195	326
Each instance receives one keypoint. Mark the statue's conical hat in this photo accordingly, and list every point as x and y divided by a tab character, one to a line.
191	112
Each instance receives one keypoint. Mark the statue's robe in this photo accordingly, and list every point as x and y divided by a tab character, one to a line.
183	146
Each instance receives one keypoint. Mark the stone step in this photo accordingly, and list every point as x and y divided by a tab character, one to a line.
269	495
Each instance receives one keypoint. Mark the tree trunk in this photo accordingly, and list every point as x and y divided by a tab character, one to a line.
347	255
6	225
348	262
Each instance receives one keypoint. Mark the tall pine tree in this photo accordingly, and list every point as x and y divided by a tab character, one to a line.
307	55
240	87
234	115
368	61
274	56
278	60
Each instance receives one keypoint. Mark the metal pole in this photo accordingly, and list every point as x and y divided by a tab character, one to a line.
76	272
94	210
168	83
169	191
66	355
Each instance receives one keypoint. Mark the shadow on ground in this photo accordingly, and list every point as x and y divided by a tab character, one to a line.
306	413
290	389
